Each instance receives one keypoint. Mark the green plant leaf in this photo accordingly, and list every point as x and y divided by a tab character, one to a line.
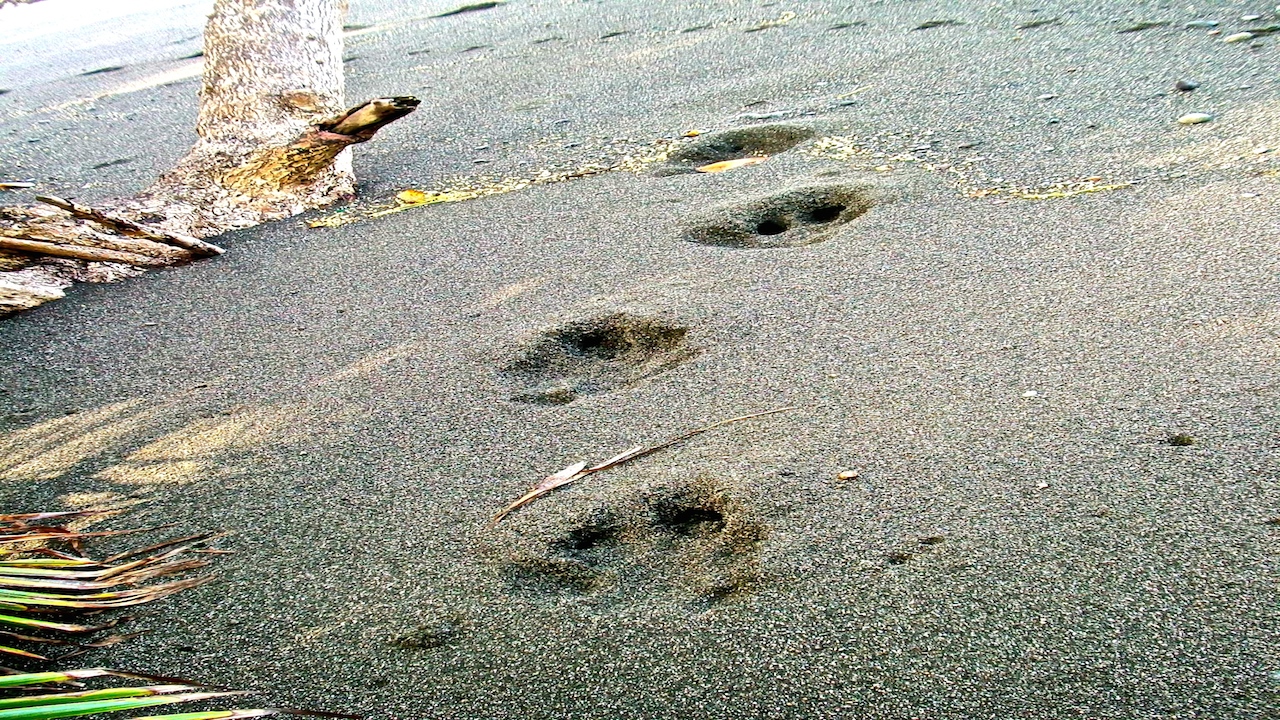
92	707
89	695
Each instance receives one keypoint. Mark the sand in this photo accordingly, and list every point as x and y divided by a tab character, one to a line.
1004	374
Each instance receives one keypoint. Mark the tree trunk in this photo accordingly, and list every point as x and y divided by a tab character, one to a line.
272	142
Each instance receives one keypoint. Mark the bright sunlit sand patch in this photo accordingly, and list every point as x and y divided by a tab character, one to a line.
51	448
500	295
203	448
371	363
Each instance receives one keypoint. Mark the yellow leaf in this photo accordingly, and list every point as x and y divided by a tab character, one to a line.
730	164
412	197
693	133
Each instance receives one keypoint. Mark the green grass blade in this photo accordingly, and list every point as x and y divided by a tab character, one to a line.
210	715
24	622
237	714
41	678
89	695
93	707
103	600
6	650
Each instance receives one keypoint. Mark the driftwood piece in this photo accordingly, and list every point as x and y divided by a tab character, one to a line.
300	163
128	228
363	121
78	252
272	142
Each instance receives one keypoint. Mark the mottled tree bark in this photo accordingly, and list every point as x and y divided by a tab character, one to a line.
272	142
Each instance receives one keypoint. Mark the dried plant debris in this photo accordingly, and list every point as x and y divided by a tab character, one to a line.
1042	22
473	7
49	586
577	471
931	24
1140	26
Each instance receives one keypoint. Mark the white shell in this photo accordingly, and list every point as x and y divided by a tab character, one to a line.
1195	118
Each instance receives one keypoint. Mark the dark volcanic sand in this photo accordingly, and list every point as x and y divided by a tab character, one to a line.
1022	539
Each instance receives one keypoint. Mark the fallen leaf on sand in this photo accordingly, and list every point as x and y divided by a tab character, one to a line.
577	471
724	165
413	197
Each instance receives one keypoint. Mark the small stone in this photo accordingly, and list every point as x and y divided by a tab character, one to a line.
1250	18
1195	118
1186	85
1201	24
1042	486
969	144
1047	96
1181	440
847	475
1030	394
1238	37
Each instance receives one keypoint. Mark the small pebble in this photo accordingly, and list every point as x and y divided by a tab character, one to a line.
969	144
1047	96
1250	18
847	475
1194	118
1214	32
1030	394
1238	37
1042	485
1202	24
1186	85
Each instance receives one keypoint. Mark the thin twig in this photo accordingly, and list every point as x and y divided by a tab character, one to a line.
576	472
